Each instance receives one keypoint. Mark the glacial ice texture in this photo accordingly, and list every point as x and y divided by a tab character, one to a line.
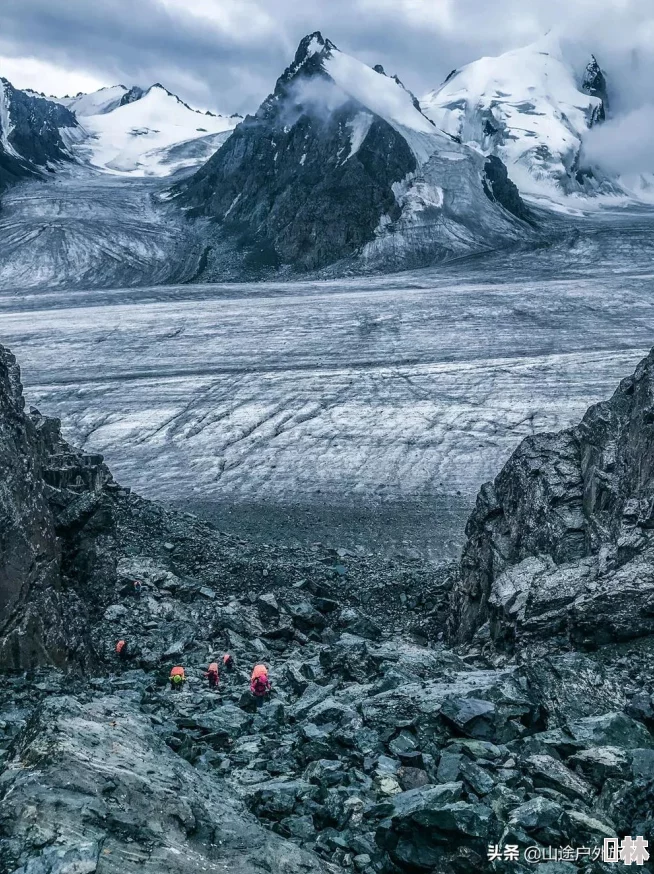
388	398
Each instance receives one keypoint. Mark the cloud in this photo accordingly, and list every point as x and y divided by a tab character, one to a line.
625	144
225	55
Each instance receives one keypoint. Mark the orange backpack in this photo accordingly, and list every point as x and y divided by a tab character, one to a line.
213	668
259	671
120	646
177	672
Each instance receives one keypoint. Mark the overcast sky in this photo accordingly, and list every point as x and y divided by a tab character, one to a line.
226	54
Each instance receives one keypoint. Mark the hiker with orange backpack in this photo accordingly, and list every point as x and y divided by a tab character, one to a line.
212	675
121	650
260	684
177	678
228	662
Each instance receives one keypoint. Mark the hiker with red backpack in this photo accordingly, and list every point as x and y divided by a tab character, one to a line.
121	650
260	685
212	675
177	678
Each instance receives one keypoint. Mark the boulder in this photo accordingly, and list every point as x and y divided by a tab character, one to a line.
550	773
598	763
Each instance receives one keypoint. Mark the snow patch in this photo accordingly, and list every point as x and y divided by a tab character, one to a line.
359	127
381	95
95	103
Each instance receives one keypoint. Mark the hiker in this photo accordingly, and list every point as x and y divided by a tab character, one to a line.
212	675
137	585
260	684
228	662
177	678
121	650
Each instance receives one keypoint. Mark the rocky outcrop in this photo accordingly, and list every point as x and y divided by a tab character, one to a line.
498	187
130	805
560	546
340	165
55	525
31	139
594	83
29	552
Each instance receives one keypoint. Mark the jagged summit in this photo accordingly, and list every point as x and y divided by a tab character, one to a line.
594	83
311	45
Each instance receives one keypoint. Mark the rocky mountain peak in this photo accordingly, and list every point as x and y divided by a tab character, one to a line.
30	133
594	83
308	61
312	44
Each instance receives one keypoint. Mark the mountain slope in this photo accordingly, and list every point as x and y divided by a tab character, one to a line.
138	134
35	134
339	162
527	108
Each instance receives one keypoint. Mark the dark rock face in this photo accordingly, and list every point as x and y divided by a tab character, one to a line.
594	83
559	545
32	139
29	552
283	182
135	93
53	517
498	187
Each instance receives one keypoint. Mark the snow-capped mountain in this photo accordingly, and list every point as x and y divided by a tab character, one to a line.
147	133
35	134
529	108
339	161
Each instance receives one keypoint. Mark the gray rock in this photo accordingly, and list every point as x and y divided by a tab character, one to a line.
306	617
472	716
642	764
267	606
449	767
598	763
99	772
610	729
557	545
550	773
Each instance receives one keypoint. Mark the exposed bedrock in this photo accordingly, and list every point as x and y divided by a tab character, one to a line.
559	546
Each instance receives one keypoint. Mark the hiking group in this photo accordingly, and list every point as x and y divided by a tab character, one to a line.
260	685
